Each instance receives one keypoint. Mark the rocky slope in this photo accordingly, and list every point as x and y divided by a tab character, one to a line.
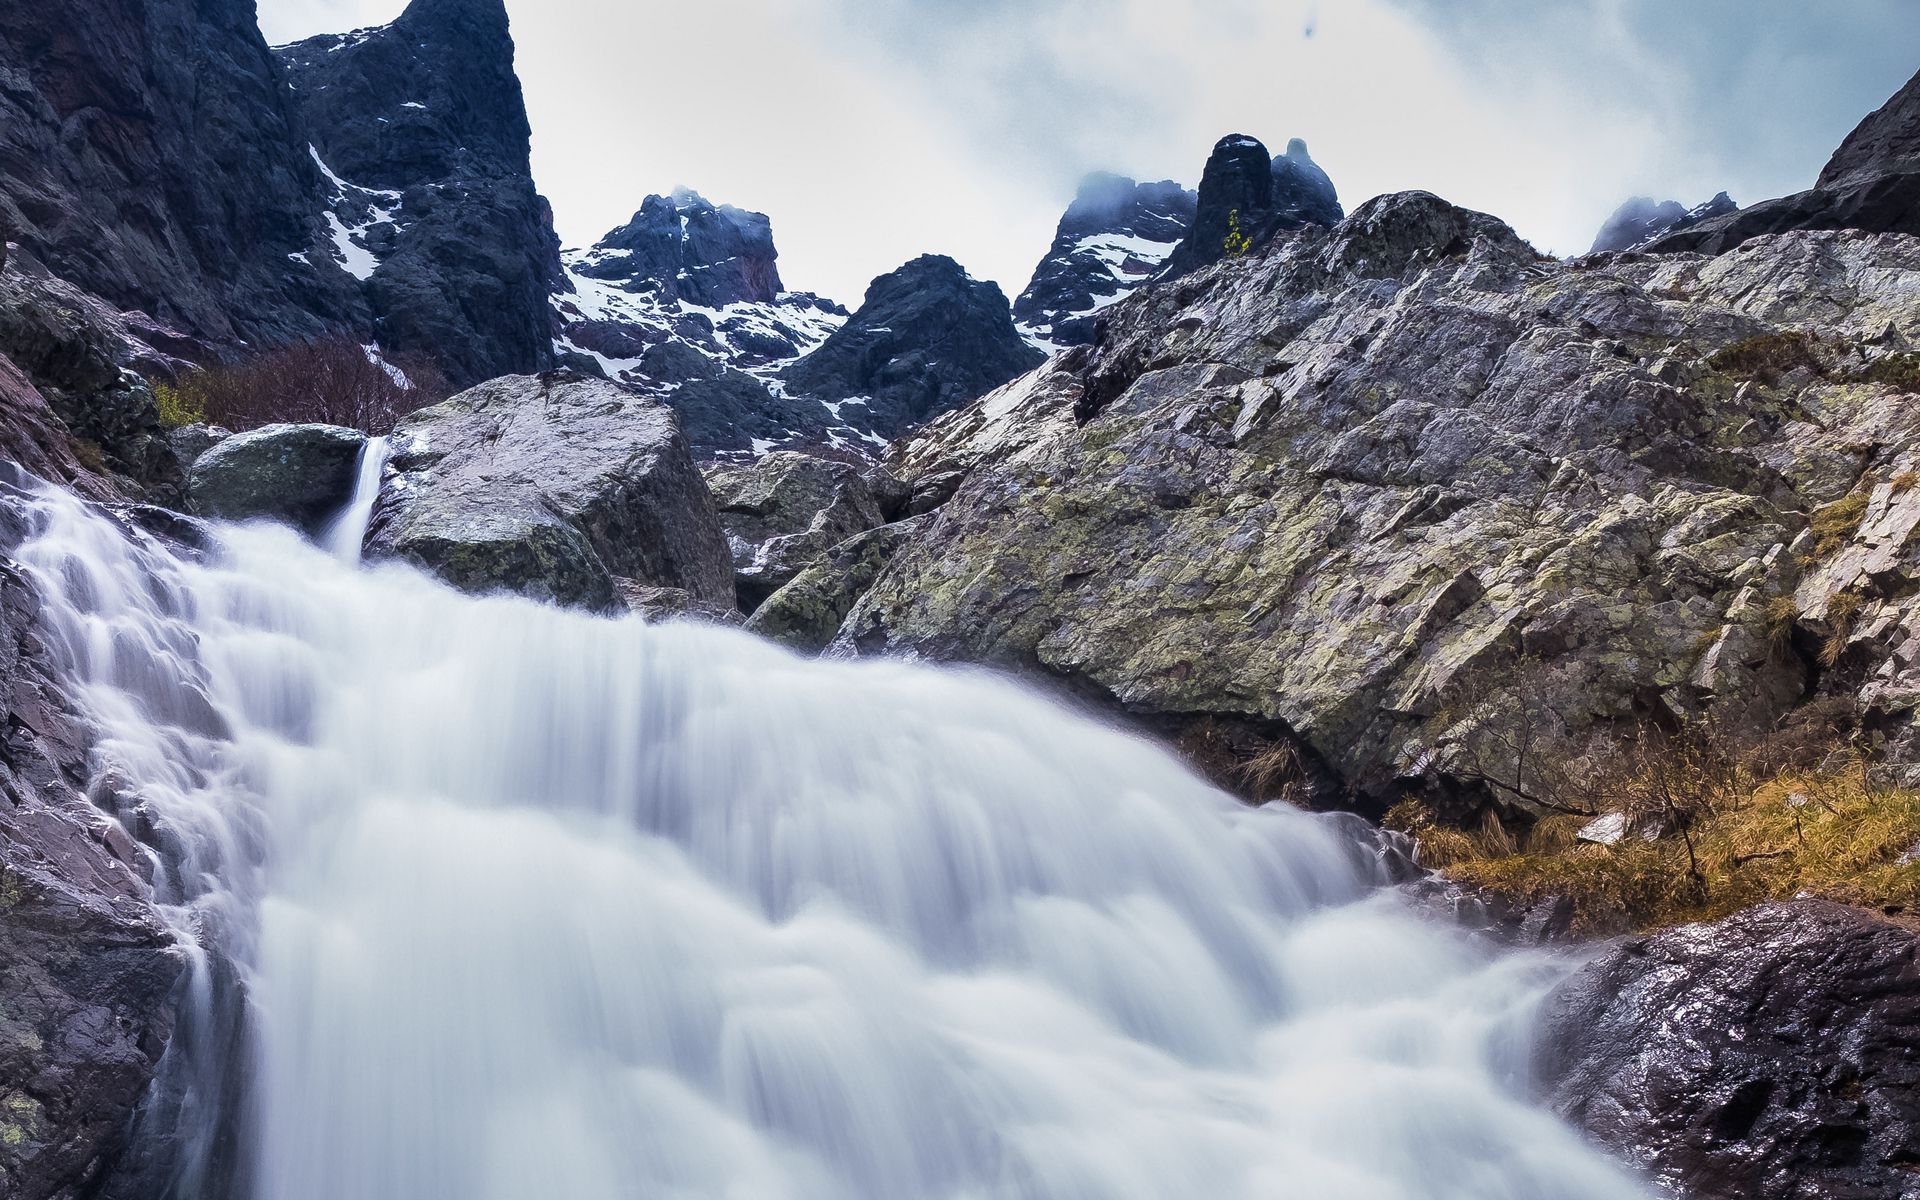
1641	221
440	222
685	303
1311	494
1871	183
928	338
1112	238
1248	196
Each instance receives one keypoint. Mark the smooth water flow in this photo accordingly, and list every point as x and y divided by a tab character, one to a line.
534	904
343	537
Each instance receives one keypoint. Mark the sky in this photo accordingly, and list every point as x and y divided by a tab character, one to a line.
872	131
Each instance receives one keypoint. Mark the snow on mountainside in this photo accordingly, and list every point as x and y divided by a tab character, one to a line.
1112	238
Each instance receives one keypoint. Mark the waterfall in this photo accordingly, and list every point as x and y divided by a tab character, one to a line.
531	903
344	535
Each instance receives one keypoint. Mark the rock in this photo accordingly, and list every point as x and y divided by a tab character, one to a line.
1640	221
668	604
1605	830
1872	183
784	511
1248	194
189	442
928	338
1768	1054
298	474
637	308
1334	485
453	244
556	487
807	612
1112	239
87	968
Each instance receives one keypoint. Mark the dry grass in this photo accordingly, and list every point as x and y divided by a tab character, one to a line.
1841	610
1901	371
1781	614
1834	526
1831	831
1769	357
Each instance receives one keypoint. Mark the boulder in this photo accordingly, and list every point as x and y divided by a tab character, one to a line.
554	486
1768	1054
785	510
807	612
298	474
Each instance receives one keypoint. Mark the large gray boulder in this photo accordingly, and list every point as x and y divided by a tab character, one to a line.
553	486
299	474
1769	1054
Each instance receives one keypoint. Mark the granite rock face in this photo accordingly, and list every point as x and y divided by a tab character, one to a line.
928	338
783	512
440	222
1319	490
555	486
1768	1054
1112	238
1871	184
300	475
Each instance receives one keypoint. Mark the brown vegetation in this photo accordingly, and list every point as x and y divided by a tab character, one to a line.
329	382
1770	357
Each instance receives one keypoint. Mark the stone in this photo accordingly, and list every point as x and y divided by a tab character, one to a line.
1112	238
807	612
301	475
783	512
1247	193
556	487
1767	1054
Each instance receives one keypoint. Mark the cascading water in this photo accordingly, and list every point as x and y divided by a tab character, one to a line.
531	903
345	533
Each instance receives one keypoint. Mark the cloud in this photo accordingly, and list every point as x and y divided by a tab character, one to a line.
875	130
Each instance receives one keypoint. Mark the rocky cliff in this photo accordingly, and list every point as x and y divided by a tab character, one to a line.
420	133
1112	238
1872	183
1641	221
1247	196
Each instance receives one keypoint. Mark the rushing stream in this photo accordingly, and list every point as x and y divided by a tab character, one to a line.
534	904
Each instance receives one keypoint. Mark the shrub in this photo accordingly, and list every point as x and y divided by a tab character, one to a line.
1769	357
1237	243
334	381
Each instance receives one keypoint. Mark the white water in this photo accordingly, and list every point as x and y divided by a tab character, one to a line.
555	906
344	535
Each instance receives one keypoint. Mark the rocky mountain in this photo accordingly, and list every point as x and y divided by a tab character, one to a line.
1872	183
440	223
375	184
1248	195
1112	238
928	338
1641	220
686	304
151	154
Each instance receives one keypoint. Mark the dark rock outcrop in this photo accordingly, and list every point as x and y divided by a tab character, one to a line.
1769	1054
1322	489
1640	221
783	512
441	219
808	610
557	487
1113	237
928	338
690	249
301	475
86	967
1248	195
1872	184
148	155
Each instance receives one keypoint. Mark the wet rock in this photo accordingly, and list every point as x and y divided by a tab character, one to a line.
87	968
785	510
190	442
807	612
298	474
1768	1054
553	486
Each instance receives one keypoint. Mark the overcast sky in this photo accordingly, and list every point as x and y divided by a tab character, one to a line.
875	130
